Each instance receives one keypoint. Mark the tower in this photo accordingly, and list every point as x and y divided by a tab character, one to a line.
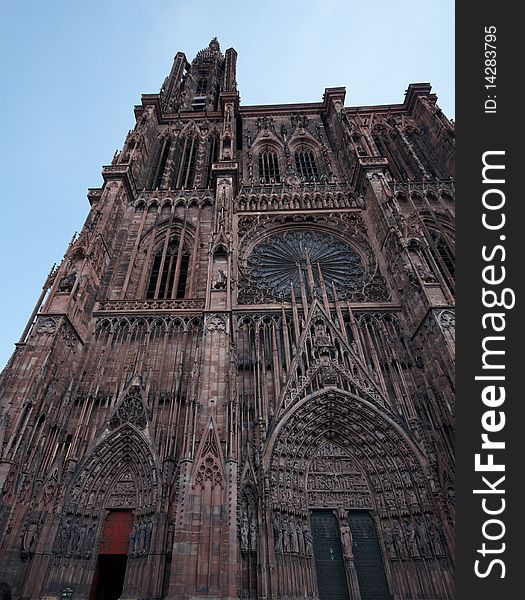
239	381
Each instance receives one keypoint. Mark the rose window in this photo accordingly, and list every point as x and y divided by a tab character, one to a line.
281	261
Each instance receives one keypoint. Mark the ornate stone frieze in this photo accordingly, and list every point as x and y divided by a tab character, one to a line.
307	196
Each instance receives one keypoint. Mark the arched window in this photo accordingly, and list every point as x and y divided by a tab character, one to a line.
426	153
202	86
400	167
185	174
269	166
169	272
213	156
443	255
305	164
161	164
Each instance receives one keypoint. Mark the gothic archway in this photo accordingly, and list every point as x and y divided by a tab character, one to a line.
118	480
385	478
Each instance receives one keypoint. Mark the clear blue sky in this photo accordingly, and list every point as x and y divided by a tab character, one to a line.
71	71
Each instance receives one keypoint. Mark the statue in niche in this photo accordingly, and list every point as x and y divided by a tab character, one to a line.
435	540
29	539
389	541
398	539
422	536
286	535
277	534
300	535
80	540
308	541
147	538
253	533
62	537
133	540
294	540
220	284
90	541
410	532
244	531
67	282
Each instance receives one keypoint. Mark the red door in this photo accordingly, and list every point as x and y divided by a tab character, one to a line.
117	529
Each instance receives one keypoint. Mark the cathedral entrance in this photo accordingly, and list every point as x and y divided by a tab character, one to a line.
367	556
346	546
329	566
110	571
109	577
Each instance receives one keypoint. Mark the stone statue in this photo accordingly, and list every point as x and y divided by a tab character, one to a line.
308	541
277	534
410	532
147	538
435	540
90	541
67	282
294	540
253	533
423	539
300	537
286	535
29	537
389	541
244	531
398	539
63	537
220	284
346	541
133	540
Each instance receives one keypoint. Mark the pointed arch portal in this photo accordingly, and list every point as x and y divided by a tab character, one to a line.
349	492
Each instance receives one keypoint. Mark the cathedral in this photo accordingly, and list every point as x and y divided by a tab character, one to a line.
239	382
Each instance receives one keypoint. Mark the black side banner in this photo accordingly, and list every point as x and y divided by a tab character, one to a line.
490	363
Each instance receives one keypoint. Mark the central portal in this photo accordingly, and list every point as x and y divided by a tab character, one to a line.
109	576
110	572
329	566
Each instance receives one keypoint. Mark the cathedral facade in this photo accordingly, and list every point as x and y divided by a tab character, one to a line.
238	384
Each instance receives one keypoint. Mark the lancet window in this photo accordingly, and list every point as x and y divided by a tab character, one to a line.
269	166
169	271
185	174
305	164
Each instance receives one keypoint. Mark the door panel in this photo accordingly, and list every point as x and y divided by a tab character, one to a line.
367	556
117	529
331	577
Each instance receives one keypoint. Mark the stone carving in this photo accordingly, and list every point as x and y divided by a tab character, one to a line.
209	469
399	542
334	479
435	539
277	534
447	319
422	537
67	282
220	284
295	195
388	538
346	541
29	539
216	323
130	410
46	326
308	541
294	539
244	531
253	533
411	536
